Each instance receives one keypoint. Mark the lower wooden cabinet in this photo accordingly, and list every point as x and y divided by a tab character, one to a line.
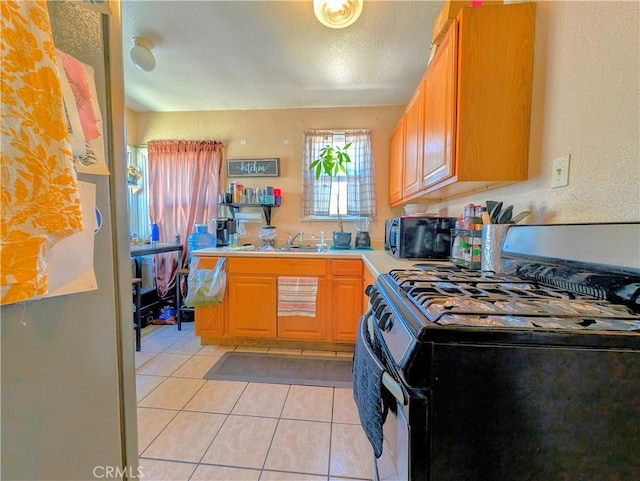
210	319
347	307
250	308
305	327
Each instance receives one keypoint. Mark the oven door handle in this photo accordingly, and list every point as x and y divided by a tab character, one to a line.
388	381
394	388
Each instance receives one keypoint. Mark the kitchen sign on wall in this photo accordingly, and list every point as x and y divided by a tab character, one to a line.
253	167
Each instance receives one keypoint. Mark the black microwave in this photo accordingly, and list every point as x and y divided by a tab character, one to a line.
419	237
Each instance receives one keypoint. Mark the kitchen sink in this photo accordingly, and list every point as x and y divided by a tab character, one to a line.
303	248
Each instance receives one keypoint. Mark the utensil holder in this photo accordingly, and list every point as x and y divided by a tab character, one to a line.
493	236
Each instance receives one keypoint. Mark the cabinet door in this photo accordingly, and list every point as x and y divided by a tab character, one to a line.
413	144
440	112
396	163
252	306
494	97
304	327
209	320
346	307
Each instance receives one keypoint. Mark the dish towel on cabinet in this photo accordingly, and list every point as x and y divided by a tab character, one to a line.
297	296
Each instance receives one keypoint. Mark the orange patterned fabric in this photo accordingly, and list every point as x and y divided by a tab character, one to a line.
40	199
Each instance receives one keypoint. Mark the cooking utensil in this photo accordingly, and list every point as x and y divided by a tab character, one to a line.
505	216
495	212
490	205
521	216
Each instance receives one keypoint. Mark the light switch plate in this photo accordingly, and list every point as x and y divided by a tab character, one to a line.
560	173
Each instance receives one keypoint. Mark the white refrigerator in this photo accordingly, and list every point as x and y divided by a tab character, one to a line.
67	362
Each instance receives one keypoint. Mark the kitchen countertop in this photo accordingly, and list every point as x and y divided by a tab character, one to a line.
377	261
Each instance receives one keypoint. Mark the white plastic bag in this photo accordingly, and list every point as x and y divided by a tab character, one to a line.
206	286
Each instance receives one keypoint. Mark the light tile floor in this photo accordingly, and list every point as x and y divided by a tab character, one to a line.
192	429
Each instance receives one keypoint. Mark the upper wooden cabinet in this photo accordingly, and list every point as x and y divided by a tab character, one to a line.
396	164
476	103
414	119
439	83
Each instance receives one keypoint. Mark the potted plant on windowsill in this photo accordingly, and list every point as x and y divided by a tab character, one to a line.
331	161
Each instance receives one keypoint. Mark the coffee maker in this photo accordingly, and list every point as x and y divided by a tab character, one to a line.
224	228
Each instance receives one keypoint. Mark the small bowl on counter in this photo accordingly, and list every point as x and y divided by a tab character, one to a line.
415	209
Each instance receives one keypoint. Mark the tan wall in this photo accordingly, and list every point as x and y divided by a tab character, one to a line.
278	133
586	102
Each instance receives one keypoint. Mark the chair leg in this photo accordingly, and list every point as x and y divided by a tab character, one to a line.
138	315
179	302
138	336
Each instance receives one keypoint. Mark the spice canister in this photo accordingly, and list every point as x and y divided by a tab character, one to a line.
238	190
268	195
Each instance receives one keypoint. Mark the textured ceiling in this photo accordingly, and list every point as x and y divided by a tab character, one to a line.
239	55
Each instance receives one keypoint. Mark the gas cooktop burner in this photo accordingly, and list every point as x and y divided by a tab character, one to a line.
445	273
448	295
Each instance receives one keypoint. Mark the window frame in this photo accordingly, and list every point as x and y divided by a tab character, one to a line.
339	138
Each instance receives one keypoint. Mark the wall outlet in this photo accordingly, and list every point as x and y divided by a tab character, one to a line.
560	173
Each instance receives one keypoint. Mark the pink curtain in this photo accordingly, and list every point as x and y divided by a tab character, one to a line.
183	178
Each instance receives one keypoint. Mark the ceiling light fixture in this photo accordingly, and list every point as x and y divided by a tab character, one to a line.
337	13
141	55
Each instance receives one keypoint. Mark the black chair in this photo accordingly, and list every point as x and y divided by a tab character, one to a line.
180	307
136	284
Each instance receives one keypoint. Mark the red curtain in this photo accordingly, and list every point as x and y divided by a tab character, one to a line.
183	179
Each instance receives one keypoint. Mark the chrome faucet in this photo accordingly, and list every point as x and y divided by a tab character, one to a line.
291	239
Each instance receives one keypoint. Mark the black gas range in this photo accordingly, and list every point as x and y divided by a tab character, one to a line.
532	373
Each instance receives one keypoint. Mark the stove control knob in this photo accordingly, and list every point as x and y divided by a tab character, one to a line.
370	289
379	309
376	301
384	322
